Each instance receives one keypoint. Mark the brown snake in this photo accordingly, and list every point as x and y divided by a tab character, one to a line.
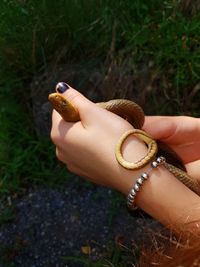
134	114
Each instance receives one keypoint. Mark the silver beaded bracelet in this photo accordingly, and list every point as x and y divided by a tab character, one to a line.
139	182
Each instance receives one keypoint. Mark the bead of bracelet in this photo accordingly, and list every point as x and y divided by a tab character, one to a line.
139	182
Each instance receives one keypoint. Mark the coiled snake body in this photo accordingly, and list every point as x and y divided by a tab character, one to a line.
134	114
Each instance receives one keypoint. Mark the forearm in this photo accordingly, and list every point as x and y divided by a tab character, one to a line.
162	195
168	200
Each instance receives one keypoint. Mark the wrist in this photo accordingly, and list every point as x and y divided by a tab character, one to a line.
133	150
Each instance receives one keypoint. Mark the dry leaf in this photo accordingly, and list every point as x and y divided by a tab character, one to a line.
86	250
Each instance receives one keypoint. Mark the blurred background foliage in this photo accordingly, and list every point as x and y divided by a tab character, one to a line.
34	33
37	33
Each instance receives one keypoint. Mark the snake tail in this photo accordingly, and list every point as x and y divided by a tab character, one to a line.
172	157
183	177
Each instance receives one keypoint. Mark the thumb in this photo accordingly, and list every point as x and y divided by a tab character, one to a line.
78	101
160	127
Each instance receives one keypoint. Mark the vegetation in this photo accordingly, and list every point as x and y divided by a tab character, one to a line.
25	159
34	34
37	33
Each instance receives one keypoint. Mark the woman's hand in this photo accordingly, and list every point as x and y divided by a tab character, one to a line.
182	134
87	147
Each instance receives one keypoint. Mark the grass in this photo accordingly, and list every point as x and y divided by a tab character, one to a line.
34	34
25	159
115	256
7	215
9	252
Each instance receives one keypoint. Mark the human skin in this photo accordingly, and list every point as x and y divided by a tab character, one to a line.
87	148
182	134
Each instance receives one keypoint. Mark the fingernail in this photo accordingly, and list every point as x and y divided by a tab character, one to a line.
61	87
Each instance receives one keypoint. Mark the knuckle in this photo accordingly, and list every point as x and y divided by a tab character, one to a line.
72	96
59	155
54	137
77	99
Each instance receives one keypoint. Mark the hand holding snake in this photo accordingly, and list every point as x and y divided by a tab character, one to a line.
132	113
87	148
182	134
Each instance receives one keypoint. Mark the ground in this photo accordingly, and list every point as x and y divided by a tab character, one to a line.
79	226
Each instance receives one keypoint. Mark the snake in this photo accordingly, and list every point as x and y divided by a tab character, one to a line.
134	114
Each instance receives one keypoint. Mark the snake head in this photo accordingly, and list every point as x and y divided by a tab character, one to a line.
64	107
57	100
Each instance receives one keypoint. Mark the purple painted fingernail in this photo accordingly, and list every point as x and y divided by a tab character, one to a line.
61	87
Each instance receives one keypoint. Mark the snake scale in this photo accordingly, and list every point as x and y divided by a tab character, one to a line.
134	114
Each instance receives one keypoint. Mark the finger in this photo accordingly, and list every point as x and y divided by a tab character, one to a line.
71	166
173	130
193	169
61	156
58	120
159	127
81	103
60	128
189	151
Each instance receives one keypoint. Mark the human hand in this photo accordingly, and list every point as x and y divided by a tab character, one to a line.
182	134
87	147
